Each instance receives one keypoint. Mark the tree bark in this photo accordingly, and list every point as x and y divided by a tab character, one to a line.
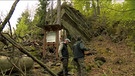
10	28
2	25
9	15
98	8
59	12
94	8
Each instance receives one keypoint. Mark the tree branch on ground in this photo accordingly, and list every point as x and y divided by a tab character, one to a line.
25	51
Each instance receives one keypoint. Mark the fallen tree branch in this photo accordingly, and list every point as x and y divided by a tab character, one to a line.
2	25
9	15
14	65
25	51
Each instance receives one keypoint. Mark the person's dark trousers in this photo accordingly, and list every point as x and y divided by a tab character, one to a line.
81	70
65	66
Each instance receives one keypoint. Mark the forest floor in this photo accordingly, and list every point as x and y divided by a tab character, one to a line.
108	59
112	59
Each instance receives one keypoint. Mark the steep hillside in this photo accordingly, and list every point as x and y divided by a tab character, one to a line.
111	59
106	58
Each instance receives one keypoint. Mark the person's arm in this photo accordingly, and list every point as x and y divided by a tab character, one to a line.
60	49
82	47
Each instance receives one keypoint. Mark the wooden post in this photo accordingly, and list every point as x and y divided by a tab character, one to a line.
44	44
57	42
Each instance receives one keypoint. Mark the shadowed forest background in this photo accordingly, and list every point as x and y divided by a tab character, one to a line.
107	27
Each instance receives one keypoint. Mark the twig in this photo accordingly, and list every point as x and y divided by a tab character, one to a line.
16	66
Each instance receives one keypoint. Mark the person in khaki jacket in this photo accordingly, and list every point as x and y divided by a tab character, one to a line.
64	55
78	52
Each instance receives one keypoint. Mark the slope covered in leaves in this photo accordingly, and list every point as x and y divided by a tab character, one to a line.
119	58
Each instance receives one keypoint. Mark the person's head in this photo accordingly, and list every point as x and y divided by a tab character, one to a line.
79	38
67	40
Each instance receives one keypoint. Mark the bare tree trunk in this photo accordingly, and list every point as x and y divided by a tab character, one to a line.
98	8
51	12
10	28
2	25
94	8
9	15
58	12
